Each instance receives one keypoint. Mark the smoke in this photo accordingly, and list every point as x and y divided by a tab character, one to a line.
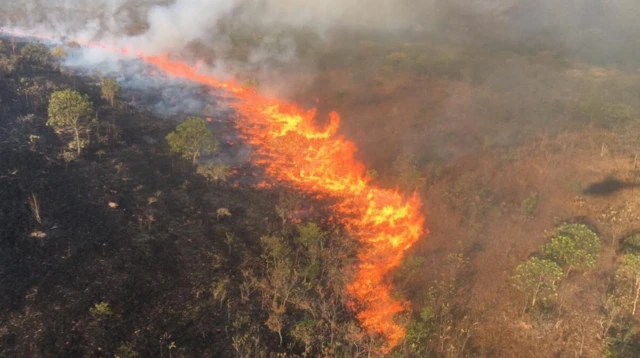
584	27
161	26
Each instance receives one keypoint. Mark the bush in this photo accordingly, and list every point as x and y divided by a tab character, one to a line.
605	114
631	244
36	54
529	205
573	246
537	279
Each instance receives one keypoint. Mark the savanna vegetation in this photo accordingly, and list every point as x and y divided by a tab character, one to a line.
123	234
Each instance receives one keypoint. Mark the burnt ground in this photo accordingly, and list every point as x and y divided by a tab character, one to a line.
129	224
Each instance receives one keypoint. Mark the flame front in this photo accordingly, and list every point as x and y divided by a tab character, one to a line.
292	148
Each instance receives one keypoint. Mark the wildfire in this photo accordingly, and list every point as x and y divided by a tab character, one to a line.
291	148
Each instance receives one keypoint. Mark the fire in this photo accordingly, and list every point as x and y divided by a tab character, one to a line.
291	148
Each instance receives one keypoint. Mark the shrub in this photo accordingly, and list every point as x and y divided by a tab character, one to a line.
529	205
573	246
631	244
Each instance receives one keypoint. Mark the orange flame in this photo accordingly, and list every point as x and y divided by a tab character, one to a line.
291	148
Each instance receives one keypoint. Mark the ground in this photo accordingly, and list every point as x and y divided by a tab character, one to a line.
507	143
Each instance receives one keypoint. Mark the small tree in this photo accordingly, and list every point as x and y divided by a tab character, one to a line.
59	52
110	90
214	172
36	54
631	244
192	138
70	111
628	281
537	279
574	246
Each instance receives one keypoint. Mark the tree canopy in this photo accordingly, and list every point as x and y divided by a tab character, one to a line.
573	246
110	90
538	279
192	138
70	111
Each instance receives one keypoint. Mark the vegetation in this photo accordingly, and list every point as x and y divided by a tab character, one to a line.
529	205
214	172
70	111
628	282
35	55
132	253
192	138
538	279
573	246
110	90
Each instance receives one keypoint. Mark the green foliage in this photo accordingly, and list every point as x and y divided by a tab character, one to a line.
573	246
631	244
420	329
110	90
192	138
529	205
303	282
101	310
126	351
628	282
214	172
537	279
622	341
409	267
70	111
36	55
605	114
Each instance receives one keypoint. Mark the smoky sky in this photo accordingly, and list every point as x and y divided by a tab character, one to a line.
603	29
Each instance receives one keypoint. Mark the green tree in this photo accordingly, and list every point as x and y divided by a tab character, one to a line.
192	138
70	111
573	246
537	279
36	55
628	281
110	90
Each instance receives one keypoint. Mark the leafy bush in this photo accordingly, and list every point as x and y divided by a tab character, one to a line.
605	114
36	54
529	205
214	172
537	279
631	244
573	246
